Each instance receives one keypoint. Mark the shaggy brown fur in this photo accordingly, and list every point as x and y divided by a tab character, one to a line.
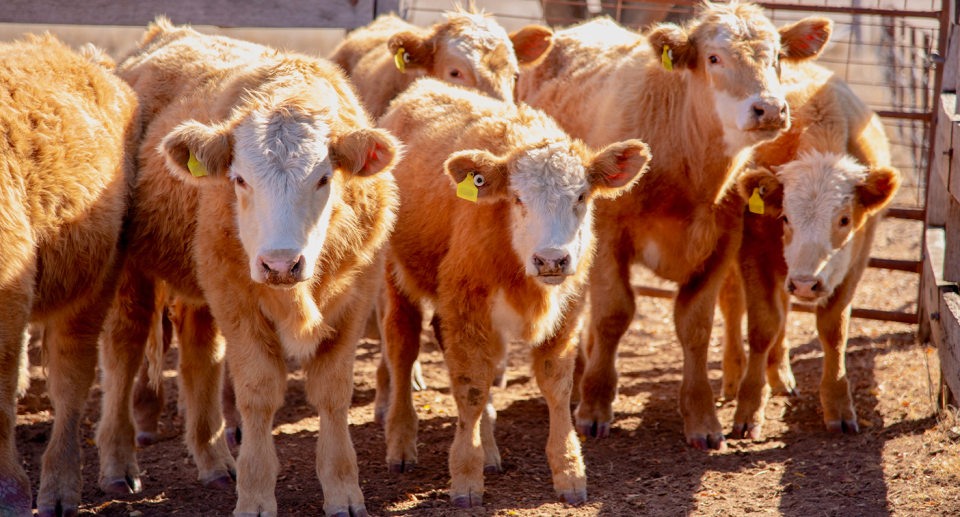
65	176
185	233
603	83
458	255
467	49
829	118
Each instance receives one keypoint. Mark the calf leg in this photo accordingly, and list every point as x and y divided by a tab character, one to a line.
553	365
231	415
766	324
471	377
201	367
612	307
732	308
148	402
15	497
70	343
832	324
779	372
402	323
125	335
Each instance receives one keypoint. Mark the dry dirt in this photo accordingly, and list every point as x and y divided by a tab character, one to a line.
904	462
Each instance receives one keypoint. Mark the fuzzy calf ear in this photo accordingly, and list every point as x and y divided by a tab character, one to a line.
489	172
805	39
768	187
615	169
878	188
194	150
365	152
531	43
418	50
683	51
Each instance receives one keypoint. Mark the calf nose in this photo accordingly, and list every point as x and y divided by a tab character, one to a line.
805	287
772	113
282	267
551	263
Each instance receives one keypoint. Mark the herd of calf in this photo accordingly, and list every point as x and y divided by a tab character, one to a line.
510	182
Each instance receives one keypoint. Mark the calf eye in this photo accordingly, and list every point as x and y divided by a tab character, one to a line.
714	59
785	221
844	221
454	73
517	201
580	199
323	181
240	181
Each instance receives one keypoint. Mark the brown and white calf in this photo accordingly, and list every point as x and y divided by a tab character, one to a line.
510	264
258	203
819	192
468	49
702	96
70	128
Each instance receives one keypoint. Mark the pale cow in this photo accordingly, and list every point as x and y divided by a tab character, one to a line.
508	264
702	96
819	191
70	128
468	49
258	203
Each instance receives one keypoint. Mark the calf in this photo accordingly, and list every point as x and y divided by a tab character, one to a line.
258	203
702	96
69	129
467	49
808	233
509	262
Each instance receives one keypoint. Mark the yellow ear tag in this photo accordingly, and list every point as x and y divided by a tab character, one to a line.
398	59
196	168
467	189
667	58
756	203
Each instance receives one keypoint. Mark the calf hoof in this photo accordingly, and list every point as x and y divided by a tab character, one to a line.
466	500
254	514
234	435
147	438
15	499
489	470
843	427
399	467
592	428
416	378
714	441
121	485
573	496
219	479
58	510
749	431
500	381
380	416
354	510
784	391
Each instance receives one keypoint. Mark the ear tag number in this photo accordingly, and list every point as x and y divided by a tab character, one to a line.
467	189
667	58
196	168
756	202
401	58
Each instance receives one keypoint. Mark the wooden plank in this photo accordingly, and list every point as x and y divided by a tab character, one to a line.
947	119
949	348
222	13
387	7
951	253
932	285
950	65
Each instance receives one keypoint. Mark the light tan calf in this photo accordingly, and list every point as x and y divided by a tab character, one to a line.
509	265
277	248
467	49
833	180
702	118
70	129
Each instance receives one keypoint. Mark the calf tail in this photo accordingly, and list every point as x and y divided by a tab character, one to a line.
155	350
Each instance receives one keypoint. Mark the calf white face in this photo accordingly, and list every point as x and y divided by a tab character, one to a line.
827	198
287	169
734	52
550	191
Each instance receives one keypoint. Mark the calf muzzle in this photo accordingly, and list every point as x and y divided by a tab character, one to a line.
552	266
282	267
808	288
770	114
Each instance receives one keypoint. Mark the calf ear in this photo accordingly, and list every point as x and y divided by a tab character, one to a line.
194	150
805	39
684	52
418	50
615	169
365	152
768	188
878	188
493	185
531	43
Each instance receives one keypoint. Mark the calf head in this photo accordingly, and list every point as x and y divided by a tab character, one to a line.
287	165
472	50
733	51
824	200
550	190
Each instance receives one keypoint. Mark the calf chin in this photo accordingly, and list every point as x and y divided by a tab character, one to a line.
551	279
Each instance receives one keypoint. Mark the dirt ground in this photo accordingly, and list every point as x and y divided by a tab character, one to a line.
904	462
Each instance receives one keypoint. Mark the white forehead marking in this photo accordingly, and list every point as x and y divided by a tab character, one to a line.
274	141
548	174
731	28
480	36
816	185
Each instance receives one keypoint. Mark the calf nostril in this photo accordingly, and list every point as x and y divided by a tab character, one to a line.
791	287
758	111
815	287
537	261
562	263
